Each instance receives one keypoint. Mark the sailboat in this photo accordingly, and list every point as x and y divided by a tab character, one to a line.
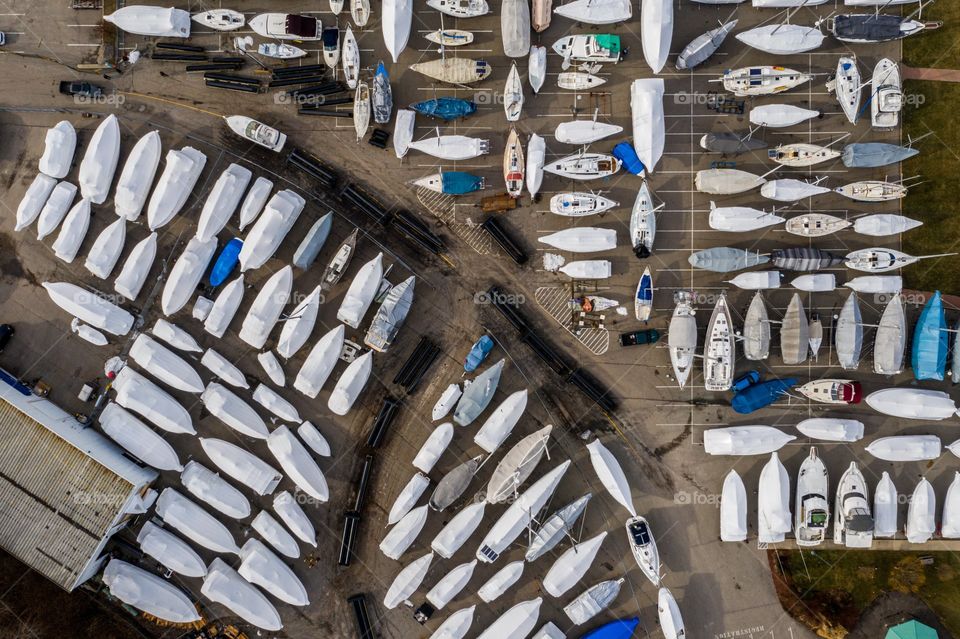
682	336
382	100
513	164
656	32
578	81
853	523
361	110
847	85
816	335
812	505
513	95
756	330
891	338
777	116
452	147
220	19
537	67
816	224
794	333
397	18
782	38
536	154
800	154
340	261
791	190
584	131
580	204
350	58
703	46
643	222
454	70
719	351
584	166
873	191
740	219
848	335
764	80
460	8
877	27
450	37
644	547
643	298
360	12
880	260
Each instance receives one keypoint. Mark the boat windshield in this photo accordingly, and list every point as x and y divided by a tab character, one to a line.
818	519
640	533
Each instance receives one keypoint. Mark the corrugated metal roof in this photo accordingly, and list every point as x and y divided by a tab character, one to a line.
56	503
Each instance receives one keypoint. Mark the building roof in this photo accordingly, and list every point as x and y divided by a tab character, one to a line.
62	486
911	630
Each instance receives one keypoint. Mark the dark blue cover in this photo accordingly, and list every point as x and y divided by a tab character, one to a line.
226	262
460	183
619	629
445	108
478	353
626	154
759	395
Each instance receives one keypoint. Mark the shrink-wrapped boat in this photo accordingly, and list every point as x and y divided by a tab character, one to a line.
137	175
100	161
270	229
146	591
211	488
266	308
180	174
138	394
59	146
242	465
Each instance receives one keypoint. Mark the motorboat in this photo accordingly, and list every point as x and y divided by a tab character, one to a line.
719	350
611	475
794	333
175	336
912	403
74	228
886	102
152	594
761	395
382	96
501	422
773	502
361	110
905	448
331	46
266	308
407	581
782	38
812	503
928	356
649	128
446	402
578	81
261	567
733	509
99	162
170	551
593	601
763	80
740	219
584	166
744	440
460	528
299	325
213	490
703	46
726	181
350	58
883	224
454	70
644	547
816	224
885	503
831	429
513	164
515	28
757	280
186	274
254	201
682	337
885	284
106	249
656	31
138	439
280	50
460	8
452	147
852	520
584	131
360	12
791	190
601	48
921	513
89	308
815	282
137	175
194	522
222	201
848	333
60	144
450	37
55	208
157	22
577	204
165	365
800	154
220	19
404	533
756	330
643	298
643	222
891	338
517	466
456	626
223	369
501	582
950	523
232	410
286	26
873	191
361	293
275	534
297	463
596	12
34	199
225	586
450	585
723	259
519	621
778	116
832	391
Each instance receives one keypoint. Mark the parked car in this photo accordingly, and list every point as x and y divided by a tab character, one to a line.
6	333
634	338
85	89
3	38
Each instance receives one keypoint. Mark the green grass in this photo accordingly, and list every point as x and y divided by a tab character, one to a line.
937	200
840	585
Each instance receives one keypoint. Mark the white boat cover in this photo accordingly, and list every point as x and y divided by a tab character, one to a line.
151	21
362	290
320	362
180	173
100	161
223	200
137	266
596	11
408	498
194	522
646	108
876	284
744	440
255	200
396	542
87	333
501	422
59	146
921	513
275	534
815	282
242	465
757	280
297	463
782	38
501	581
520	514
882	224
549	630
314	439
223	369
740	219
670	620
89	307
224	307
175	336
593	601
396	22
582	239
656	21
433	447
537	75
137	175
611	475
885	502
448	399
403	131
72	231
950	521
295	518
518	622
773	502
186	274
351	384
407	581
517	465
165	365
106	249
477	395
271	227
791	190
297	329
572	565
832	430
33	200
584	131
456	625
261	567
223	585
56	207
536	155
171	551
451	584
209	487
148	592
390	316
733	509
780	115
912	403
233	411
903	448
138	438
451	147
138	394
271	400
458	530
267	307
588	269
